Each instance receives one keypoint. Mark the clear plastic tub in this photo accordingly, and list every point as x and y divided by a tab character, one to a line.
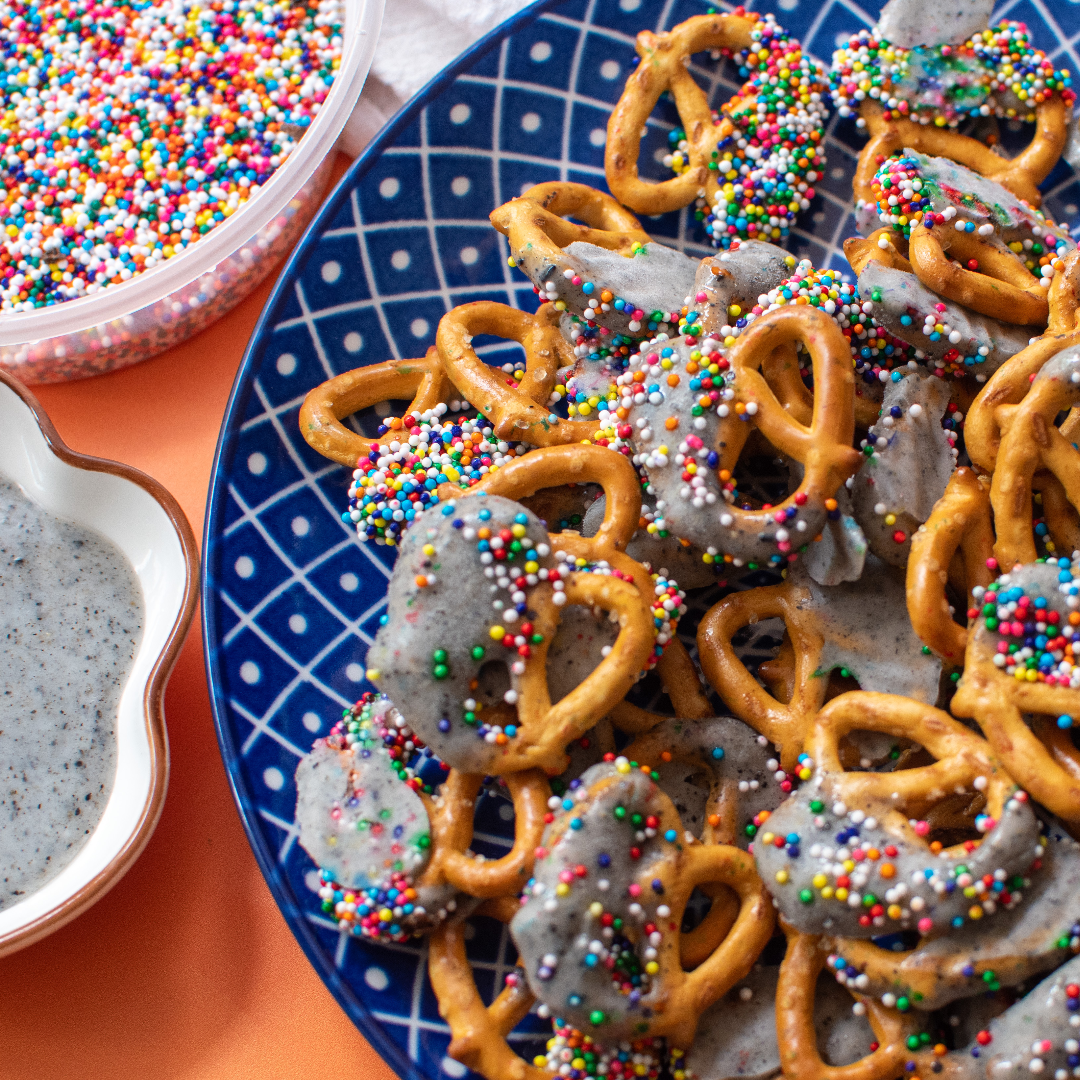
126	323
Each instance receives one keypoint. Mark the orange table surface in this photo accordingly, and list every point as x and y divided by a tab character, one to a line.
186	969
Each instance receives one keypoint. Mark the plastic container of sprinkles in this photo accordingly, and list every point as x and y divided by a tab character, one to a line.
162	305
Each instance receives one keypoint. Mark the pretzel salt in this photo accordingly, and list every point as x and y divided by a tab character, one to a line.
663	68
828	627
999	693
424	381
898	881
516	411
958	524
647	891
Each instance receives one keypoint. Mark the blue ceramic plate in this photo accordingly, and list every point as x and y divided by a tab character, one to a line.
291	599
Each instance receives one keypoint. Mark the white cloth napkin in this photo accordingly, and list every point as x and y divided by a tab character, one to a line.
418	39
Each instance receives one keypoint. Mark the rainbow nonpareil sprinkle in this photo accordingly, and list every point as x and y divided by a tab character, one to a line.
130	130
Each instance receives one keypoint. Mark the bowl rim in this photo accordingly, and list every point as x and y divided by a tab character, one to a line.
220	244
153	692
357	1011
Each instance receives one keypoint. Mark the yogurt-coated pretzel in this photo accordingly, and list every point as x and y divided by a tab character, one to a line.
999	701
539	236
800	1057
1002	287
663	67
1021	174
1011	382
828	628
959	523
1030	443
647	887
519	412
883	815
329	403
1030	936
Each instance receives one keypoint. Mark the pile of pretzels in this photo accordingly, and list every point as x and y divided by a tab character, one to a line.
856	860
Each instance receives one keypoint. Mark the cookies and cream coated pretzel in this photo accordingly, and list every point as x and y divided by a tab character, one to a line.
607	271
424	381
618	849
689	459
1010	383
442	625
1019	661
715	771
958	525
847	853
663	68
915	92
1025	939
859	627
516	410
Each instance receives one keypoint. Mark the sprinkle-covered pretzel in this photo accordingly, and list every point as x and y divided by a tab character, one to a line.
847	853
619	850
443	624
796	1032
1010	383
1019	661
607	271
424	381
959	523
1031	934
374	825
517	410
858	627
1031	442
692	439
898	90
663	67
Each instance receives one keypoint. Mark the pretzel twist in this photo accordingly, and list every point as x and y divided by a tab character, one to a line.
1021	175
999	703
663	67
1031	442
451	814
1010	383
1002	288
784	724
959	522
796	1033
424	381
824	447
478	1031
679	676
516	412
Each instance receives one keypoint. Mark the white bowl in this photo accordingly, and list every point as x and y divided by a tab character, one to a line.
158	308
145	522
